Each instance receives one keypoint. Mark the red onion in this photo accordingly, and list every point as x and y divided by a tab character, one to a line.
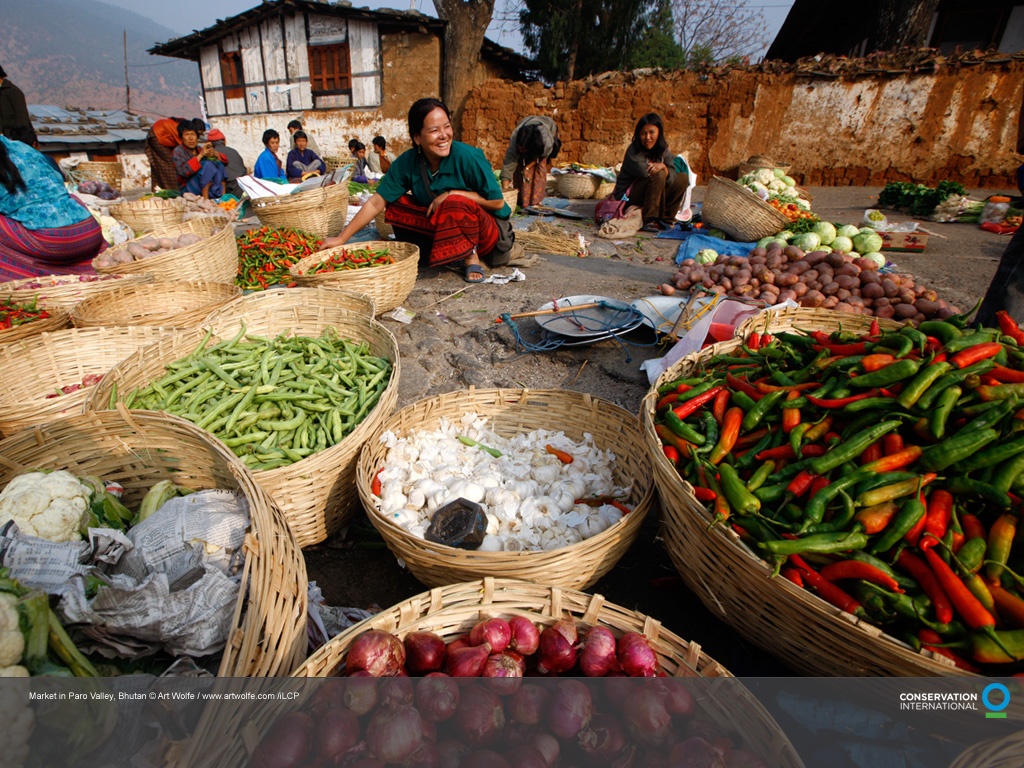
394	734
555	654
678	699
526	756
647	719
525	636
452	753
479	718
506	672
636	657
485	758
604	739
379	653
425	756
495	632
528	703
336	733
567	629
515	735
395	692
360	692
329	695
696	753
569	709
437	698
458	642
597	652
548	746
424	652
288	744
466	662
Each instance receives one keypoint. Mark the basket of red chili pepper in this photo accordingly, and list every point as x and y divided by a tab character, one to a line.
849	500
384	271
266	254
21	319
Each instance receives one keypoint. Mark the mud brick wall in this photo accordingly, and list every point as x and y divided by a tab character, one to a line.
957	121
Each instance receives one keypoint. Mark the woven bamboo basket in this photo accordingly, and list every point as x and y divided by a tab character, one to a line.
387	285
511	197
1005	752
760	161
604	189
453	610
59	318
149	213
739	213
799	318
577	185
334	162
317	493
799	628
510	412
384	229
110	172
48	361
319	211
139	448
167	303
65	291
214	258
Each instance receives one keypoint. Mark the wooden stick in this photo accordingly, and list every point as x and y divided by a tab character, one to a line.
552	311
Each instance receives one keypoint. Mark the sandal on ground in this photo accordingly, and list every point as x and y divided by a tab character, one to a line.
473	269
650	226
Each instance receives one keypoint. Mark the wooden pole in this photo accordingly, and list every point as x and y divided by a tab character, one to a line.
127	86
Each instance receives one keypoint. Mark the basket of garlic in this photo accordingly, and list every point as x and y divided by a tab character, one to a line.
562	479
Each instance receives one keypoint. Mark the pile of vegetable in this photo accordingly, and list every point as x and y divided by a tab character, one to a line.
539	490
501	720
55	281
918	199
13	313
144	248
266	254
89	380
99	189
271	401
882	471
199	204
791	210
774	187
353	258
816	279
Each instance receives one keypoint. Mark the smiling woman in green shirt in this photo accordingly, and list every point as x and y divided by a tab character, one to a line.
441	195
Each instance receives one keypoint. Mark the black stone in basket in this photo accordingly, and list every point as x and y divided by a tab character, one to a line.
460	523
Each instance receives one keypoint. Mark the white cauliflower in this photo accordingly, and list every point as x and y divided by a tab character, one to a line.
19	721
12	641
50	505
765	176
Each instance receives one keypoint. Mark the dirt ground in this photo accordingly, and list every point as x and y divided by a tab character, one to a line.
453	343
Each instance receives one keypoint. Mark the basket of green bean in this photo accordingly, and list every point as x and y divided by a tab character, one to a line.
290	382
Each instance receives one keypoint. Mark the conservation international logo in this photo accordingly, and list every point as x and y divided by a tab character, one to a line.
995	697
994	700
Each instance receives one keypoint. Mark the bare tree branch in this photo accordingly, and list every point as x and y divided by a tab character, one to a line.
718	29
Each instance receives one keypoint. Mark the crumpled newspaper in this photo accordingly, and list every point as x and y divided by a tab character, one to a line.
516	277
326	621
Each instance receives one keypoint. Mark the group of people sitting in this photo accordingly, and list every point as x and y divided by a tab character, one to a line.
377	161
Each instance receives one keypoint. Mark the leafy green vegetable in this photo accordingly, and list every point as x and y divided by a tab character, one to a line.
919	198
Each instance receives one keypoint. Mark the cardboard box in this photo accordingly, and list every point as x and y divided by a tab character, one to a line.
912	242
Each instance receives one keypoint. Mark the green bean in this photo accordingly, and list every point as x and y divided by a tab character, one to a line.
228	402
252	437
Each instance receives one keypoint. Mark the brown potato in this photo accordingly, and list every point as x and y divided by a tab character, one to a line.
918	319
830	302
813	285
926	307
759	253
890	289
842	294
811	274
800	268
930	295
849	269
885	312
666	289
872	291
830	288
730	271
814	257
737	261
800	289
867	277
866	265
836	260
848	282
775	261
723	258
726	283
844	307
812	299
792	253
905	310
149	243
787	295
883	302
786	279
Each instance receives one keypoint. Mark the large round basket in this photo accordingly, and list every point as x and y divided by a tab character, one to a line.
317	493
387	285
577	185
110	172
752	164
604	189
511	197
453	610
510	412
214	258
800	318
59	318
168	303
140	448
319	211
65	291
1005	752
802	630
48	361
334	162
149	213
384	229
739	213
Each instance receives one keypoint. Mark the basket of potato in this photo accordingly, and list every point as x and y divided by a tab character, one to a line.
201	249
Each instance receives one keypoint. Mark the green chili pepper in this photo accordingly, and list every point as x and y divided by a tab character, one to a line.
910	513
853	447
740	499
888	375
760	476
840	521
919	339
1008	472
992	456
682	429
940	330
940	414
972	554
769	494
819	543
953	377
763	407
920	383
938	457
744	401
972	339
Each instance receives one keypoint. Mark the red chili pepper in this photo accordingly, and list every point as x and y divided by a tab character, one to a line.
877	517
892	443
914	534
767	388
1009	606
940	512
967	605
786	452
793	575
620	506
375	483
1006	375
691	405
972	527
668	437
872	453
735	382
976	354
929	584
857	569
819	484
766	339
671	453
876	362
895	461
790	416
932	641
730	433
843	401
875	329
800	484
751	438
825	589
562	456
843	350
720	405
704	494
1009	326
754	341
666	401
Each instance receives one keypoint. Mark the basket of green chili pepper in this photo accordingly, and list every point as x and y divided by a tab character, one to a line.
849	499
266	254
19	320
293	382
383	270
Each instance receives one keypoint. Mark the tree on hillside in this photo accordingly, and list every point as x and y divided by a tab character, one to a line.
463	39
573	38
657	46
901	24
718	30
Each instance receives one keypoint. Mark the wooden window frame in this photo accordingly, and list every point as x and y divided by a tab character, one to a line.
232	74
337	82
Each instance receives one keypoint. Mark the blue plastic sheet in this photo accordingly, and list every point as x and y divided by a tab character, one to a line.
698	242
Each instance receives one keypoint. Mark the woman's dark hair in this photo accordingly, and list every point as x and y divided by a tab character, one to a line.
198	126
295	124
660	146
300	135
355	146
269	134
10	176
531	139
378	141
23	133
352	143
418	114
187	125
2	73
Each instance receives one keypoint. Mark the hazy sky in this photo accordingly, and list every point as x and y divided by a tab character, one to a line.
183	16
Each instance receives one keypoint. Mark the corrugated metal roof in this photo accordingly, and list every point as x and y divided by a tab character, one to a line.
55	125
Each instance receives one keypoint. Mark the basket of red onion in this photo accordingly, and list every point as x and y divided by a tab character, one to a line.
660	700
